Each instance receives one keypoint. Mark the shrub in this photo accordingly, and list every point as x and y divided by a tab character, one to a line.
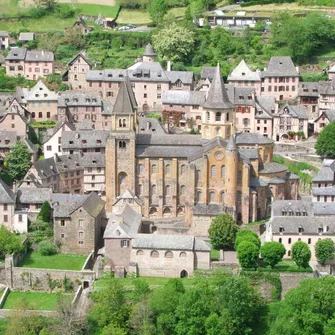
65	11
324	250
45	212
247	254
272	253
247	235
301	254
47	248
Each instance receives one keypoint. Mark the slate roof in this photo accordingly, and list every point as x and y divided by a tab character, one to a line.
280	67
300	206
265	107
299	112
272	167
51	132
92	159
2	59
188	98
123	224
326	173
39	56
40	93
4	33
173	140
217	97
84	139
7	196
46	167
257	182
125	102
252	138
186	77
26	37
110	75
150	126
81	54
207	73
276	180
31	195
16	54
248	153
210	209
329	114
323	190
164	151
68	162
32	148
149	50
7	135
126	195
148	71
241	95
243	72
311	89
324	208
79	98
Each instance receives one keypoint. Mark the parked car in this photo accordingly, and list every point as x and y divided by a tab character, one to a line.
131	26
124	28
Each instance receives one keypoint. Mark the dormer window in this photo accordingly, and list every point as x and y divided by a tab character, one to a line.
110	75
320	230
243	73
297	213
240	97
120	75
304	213
83	141
94	162
305	89
88	100
75	100
67	100
249	97
70	142
291	213
281	229
283	213
98	141
300	229
94	100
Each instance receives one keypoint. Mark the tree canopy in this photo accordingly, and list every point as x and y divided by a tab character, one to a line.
45	212
222	231
9	242
247	254
324	250
301	254
325	144
272	253
157	9
247	235
17	161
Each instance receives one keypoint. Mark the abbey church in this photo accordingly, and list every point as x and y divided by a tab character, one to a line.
193	177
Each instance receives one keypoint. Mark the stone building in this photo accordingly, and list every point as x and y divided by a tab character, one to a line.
173	174
7	205
30	64
4	40
326	117
77	222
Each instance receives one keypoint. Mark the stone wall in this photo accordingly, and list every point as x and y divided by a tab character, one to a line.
291	280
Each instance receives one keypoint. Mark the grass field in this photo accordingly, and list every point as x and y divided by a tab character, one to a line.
34	300
57	262
286	265
133	16
215	254
95	10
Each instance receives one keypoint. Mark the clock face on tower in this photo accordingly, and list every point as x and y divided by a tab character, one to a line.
219	156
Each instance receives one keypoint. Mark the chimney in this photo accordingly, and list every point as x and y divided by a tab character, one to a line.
14	187
148	125
77	135
55	157
168	65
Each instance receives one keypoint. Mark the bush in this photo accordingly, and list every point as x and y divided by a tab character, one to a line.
301	254
37	12
47	248
324	250
247	235
272	253
247	254
45	212
65	11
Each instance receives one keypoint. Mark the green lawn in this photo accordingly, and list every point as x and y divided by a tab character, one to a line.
95	10
34	300
133	16
258	223
215	254
57	262
286	265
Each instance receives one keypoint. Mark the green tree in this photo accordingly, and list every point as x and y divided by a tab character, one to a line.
325	144
324	250
9	242
272	253
157	9
45	212
247	254
247	235
307	309
17	161
301	254
173	42
222	231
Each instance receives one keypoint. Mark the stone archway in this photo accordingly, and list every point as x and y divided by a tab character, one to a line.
183	274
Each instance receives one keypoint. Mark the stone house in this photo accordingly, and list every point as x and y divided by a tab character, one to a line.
7	140
4	40
244	77
327	96
31	64
289	120
331	73
93	165
53	139
7	206
326	117
280	79
80	25
26	37
78	220
265	109
41	102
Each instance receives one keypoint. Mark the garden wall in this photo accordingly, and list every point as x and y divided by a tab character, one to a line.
291	280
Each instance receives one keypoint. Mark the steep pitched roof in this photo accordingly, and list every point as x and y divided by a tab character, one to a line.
40	92
82	55
217	95
243	72
329	114
7	196
280	67
149	50
299	112
125	102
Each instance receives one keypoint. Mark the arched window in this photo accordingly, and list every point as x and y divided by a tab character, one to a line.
183	169
87	116
222	197
218	116
153	190
227	117
289	253
169	254
140	189
198	175
167	169
217	131
153	168
182	254
239	176
140	168
167	189
122	178
154	254
120	123
213	171
223	171
75	117
182	190
208	116
124	123
211	196
139	253
198	196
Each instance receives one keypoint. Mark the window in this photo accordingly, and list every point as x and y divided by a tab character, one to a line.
140	253
309	241
153	189
289	240
182	190
281	229
211	196
223	171
300	229
62	223
182	254
80	242
153	168
40	114
5	207
81	234
198	175
154	254
280	240
20	217
169	254
198	196
81	222
145	95
167	169
5	218
183	169
62	235
48	115
213	171
167	189
218	116
140	169
227	117
124	243
208	116
222	196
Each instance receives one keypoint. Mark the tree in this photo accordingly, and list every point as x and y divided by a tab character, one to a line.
324	250
247	254
272	253
47	248
307	309
301	254
157	9
247	235
325	144
74	37
9	242
18	161
173	42
222	231
49	5
45	212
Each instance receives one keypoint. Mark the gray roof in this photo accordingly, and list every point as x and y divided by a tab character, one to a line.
7	138
123	224
46	167
92	159
7	196
324	209
207	73
125	102
81	54
252	139
106	75
326	173
295	206
186	77
79	98
39	56
257	182
84	139
150	126
16	54
165	151
241	95
311	89
280	67
4	33
148	71
243	72
299	112
329	114
149	50
31	195
32	148
265	107
183	97
26	37
52	131
68	162
173	140
272	167
39	92
217	97
323	191
2	59
248	153
168	242
276	180
210	209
